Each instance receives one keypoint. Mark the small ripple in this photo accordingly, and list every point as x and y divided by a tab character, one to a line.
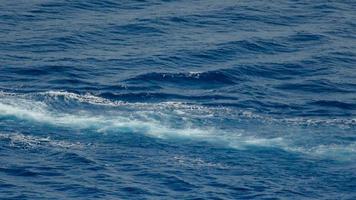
203	79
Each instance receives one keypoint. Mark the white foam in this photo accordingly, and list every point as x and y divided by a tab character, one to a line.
341	151
85	120
149	119
196	162
21	140
6	109
86	98
148	126
179	107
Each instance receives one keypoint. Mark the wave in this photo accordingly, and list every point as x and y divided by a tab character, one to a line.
178	121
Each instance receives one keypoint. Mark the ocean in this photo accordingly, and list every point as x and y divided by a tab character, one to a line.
186	99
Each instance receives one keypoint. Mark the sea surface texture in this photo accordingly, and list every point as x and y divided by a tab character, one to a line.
188	99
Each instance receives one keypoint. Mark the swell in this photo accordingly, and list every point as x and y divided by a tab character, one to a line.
286	72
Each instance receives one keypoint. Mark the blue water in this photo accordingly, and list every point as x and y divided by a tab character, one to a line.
163	99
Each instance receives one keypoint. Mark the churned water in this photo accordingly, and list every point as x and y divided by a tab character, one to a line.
163	99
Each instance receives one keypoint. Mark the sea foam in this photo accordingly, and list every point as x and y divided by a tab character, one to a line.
153	120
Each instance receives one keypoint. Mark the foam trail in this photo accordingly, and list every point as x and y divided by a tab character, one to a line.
178	107
101	123
145	119
150	127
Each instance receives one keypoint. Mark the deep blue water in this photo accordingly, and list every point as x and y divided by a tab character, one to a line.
162	99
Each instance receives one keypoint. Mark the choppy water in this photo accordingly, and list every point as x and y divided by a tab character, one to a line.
177	99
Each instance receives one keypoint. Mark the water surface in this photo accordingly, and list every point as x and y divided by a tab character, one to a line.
177	99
